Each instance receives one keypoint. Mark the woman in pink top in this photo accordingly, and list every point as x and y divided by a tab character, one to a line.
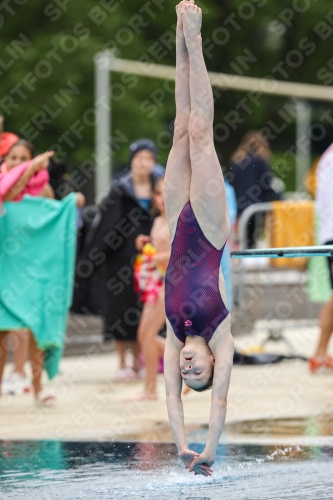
21	174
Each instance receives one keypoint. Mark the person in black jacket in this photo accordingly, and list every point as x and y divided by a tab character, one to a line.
250	175
109	252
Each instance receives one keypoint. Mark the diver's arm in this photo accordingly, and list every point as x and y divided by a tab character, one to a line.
222	371
173	385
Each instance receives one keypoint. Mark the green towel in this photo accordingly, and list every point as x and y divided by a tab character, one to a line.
319	285
37	258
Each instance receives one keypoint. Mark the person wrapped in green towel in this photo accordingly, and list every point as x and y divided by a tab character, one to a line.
37	252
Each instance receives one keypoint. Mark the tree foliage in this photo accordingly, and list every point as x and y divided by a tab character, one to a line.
49	47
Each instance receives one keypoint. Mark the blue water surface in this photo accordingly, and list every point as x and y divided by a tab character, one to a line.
54	470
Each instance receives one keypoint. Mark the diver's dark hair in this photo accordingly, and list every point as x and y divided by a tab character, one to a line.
207	385
26	144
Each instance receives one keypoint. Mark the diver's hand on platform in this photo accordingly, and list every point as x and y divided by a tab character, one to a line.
201	464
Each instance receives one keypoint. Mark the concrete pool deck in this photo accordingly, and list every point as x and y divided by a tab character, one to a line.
91	405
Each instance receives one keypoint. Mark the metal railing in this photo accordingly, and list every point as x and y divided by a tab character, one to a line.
268	299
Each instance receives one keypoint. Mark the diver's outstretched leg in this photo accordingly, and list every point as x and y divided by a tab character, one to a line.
178	171
207	190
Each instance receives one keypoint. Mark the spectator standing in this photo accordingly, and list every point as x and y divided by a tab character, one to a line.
149	272
18	153
121	217
21	173
250	175
324	205
21	153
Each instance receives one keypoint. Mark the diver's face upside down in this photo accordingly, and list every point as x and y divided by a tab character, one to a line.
197	364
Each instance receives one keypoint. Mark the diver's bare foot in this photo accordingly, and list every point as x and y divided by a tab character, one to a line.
143	396
179	31
179	8
191	16
181	48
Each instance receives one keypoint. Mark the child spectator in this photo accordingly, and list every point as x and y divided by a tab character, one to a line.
149	271
20	153
21	173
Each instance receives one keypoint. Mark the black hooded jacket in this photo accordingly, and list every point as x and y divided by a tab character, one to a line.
252	181
104	283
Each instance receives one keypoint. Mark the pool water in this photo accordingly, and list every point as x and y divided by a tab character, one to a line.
56	470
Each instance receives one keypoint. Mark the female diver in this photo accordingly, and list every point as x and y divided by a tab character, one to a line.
199	345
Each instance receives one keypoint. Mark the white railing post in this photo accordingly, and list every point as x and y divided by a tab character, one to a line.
303	142
103	158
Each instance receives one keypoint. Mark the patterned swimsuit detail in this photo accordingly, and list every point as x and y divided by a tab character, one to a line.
193	301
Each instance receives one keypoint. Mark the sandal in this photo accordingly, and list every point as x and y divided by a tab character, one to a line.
322	363
329	362
44	398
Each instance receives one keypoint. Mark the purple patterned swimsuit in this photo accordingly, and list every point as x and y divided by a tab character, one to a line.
193	302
